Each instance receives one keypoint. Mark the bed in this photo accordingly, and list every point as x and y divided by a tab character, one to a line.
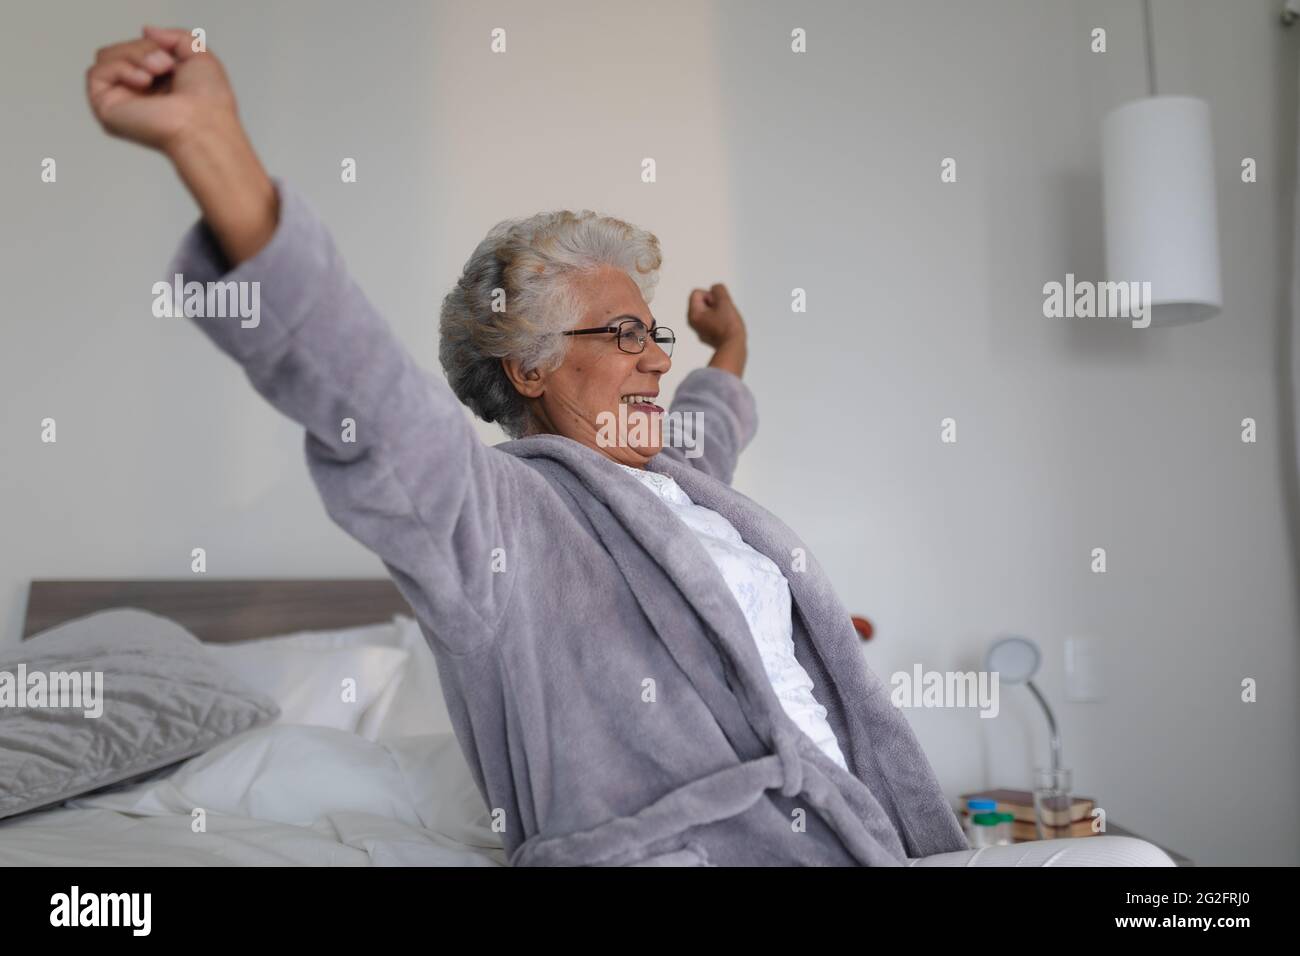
388	787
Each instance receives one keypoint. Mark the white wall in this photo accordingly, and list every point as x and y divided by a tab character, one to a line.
775	171
925	301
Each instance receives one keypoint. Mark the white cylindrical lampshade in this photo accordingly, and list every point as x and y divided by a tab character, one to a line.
1162	222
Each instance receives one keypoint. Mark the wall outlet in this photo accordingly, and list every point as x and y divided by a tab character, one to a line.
1084	670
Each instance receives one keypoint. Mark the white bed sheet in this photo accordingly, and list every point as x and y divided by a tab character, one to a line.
73	837
285	794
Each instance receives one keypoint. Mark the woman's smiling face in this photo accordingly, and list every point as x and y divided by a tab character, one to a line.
581	399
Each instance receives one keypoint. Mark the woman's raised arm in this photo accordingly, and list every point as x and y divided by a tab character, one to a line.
388	445
713	416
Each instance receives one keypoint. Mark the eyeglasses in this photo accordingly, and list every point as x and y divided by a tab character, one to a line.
632	335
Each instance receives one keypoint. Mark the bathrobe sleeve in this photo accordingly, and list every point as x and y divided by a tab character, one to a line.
712	419
388	445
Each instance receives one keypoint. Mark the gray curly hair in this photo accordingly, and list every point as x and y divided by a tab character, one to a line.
515	295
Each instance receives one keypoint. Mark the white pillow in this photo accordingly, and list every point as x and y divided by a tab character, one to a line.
384	633
413	705
297	775
290	774
305	674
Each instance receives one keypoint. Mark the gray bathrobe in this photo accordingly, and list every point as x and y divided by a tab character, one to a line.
601	679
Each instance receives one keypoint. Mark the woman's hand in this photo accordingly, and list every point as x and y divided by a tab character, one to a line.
717	322
158	92
153	90
713	315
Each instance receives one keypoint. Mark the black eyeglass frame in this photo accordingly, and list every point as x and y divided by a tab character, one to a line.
632	320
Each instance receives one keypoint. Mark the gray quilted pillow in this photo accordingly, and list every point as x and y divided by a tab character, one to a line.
163	700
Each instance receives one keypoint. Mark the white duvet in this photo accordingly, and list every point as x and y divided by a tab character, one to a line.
308	790
278	795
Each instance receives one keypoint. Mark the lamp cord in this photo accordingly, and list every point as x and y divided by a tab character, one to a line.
1149	32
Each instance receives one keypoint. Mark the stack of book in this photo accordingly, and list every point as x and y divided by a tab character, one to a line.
1063	816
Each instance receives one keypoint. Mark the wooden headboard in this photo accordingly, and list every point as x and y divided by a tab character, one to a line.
220	611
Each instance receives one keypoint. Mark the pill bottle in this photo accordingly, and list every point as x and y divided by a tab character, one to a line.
974	806
984	829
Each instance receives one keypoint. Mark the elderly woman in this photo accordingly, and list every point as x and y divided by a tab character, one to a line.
642	666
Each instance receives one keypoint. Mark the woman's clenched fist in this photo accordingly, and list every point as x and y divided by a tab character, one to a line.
162	93
156	89
713	316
